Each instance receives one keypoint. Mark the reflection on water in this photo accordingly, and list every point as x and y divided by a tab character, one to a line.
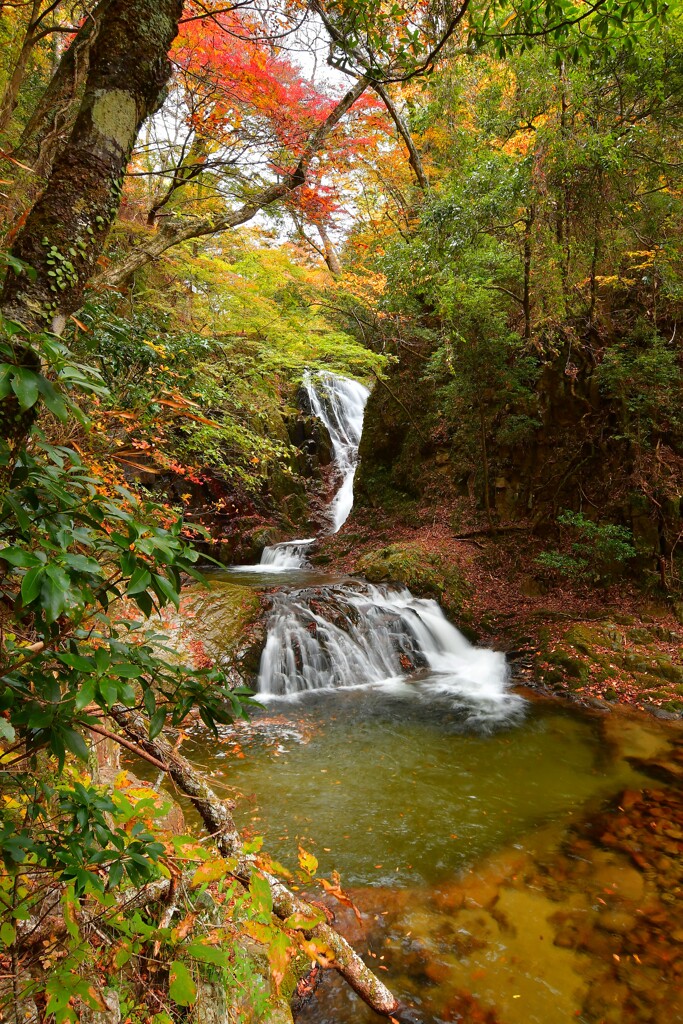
400	786
494	885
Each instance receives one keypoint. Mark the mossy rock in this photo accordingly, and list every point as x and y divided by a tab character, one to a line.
573	670
225	623
587	638
424	573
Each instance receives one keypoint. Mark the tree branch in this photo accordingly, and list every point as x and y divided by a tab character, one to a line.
414	157
174	232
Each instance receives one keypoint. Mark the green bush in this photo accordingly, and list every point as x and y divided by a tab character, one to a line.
596	551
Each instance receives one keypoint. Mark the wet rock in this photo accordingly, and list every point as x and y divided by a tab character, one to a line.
667	771
109	1013
606	1000
617	921
618	878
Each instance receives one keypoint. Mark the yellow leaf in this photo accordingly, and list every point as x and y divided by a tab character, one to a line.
210	871
307	861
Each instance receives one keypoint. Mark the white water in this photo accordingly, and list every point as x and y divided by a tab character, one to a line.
355	634
289	555
340	404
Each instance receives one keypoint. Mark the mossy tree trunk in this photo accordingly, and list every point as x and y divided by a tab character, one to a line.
128	71
10	95
54	114
66	229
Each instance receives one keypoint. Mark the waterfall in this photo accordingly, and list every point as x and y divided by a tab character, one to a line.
340	404
291	554
352	634
356	634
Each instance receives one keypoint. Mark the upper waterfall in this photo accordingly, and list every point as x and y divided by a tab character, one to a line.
340	404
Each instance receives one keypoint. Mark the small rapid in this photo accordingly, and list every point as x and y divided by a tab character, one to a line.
291	554
355	634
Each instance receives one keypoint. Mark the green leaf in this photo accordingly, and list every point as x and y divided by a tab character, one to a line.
26	386
85	696
19	557
53	597
52	399
165	589
77	661
31	584
127	671
156	722
208	954
7	934
181	987
140	580
261	896
7	730
83	564
109	691
74	742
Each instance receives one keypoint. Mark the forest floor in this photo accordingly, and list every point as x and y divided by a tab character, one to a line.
591	643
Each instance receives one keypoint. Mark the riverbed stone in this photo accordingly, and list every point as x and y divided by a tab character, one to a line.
617	921
617	877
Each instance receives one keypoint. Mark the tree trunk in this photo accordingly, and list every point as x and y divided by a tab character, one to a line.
526	302
10	96
51	122
66	230
595	258
56	110
485	466
331	257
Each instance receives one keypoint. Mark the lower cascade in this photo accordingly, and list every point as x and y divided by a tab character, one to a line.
357	634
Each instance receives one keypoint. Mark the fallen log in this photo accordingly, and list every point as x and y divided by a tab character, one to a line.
217	817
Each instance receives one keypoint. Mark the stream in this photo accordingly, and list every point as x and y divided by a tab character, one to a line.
500	848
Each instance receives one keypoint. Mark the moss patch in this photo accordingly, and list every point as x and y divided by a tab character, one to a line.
425	573
612	661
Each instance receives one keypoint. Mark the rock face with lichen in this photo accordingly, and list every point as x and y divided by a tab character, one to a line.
221	624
